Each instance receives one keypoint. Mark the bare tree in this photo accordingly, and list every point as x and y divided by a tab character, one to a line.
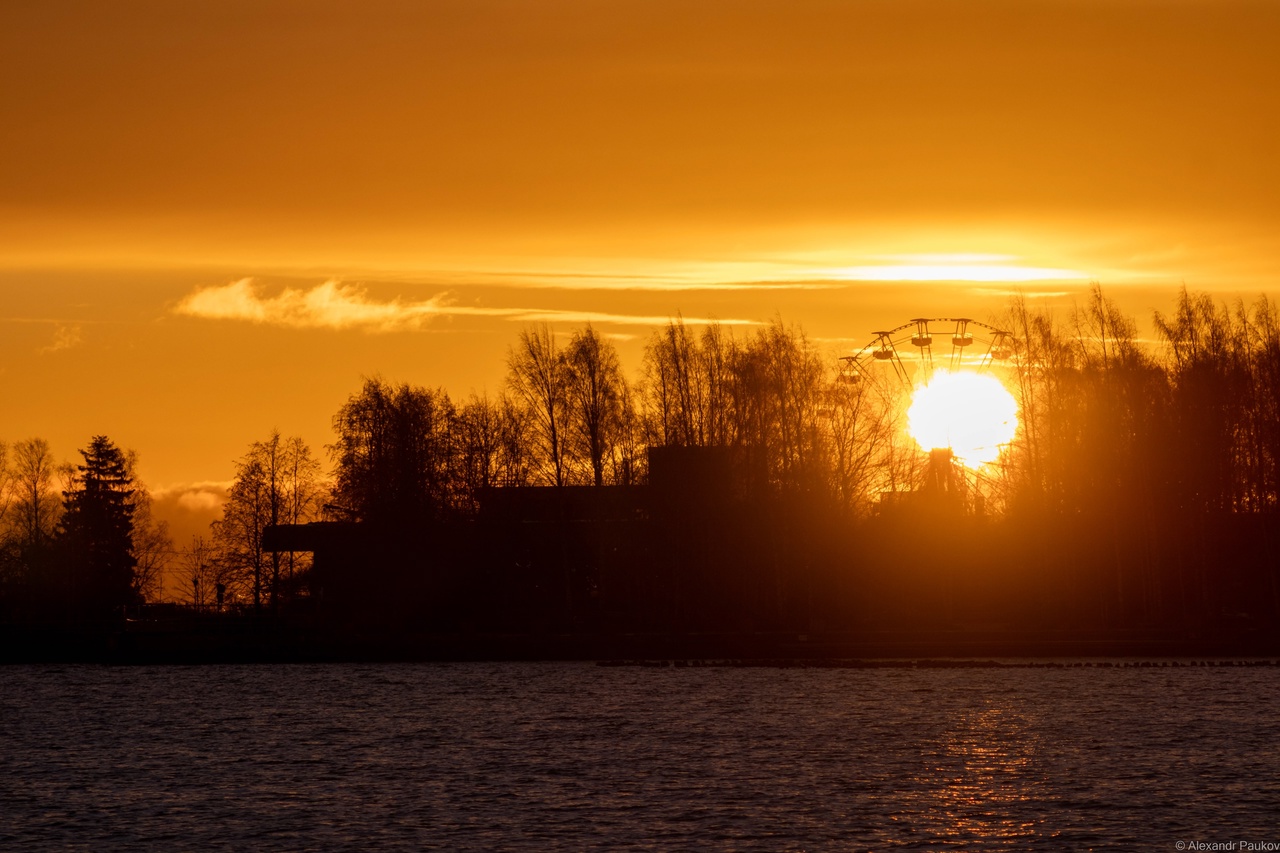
674	382
489	446
302	497
152	545
536	375
595	391
200	571
686	393
237	536
478	432
515	464
628	459
6	486
861	418
277	482
37	504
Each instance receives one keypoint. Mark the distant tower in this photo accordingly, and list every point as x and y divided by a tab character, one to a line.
940	485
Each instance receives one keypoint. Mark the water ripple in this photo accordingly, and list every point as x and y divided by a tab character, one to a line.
574	756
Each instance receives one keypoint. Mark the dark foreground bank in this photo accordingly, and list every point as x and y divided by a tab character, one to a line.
247	640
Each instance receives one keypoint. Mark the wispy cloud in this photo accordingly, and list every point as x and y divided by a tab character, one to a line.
65	337
335	305
539	315
644	276
1033	294
934	258
331	305
790	280
955	272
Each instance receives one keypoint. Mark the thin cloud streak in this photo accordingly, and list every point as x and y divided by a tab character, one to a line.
757	278
553	281
554	316
954	272
334	305
981	292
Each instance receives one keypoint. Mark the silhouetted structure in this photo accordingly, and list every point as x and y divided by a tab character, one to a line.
703	546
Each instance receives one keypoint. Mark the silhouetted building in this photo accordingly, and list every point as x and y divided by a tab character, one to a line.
696	549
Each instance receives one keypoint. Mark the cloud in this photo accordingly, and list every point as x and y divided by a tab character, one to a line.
65	337
207	496
334	305
789	279
539	315
955	272
1030	294
200	501
188	508
331	305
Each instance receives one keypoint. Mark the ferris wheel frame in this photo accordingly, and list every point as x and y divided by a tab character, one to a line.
888	346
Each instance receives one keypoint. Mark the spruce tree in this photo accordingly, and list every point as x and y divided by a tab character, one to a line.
97	528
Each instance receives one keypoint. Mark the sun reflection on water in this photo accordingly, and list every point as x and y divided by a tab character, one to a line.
976	777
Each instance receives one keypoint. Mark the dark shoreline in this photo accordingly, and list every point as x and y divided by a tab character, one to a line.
273	643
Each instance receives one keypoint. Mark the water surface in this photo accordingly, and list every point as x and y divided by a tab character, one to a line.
576	756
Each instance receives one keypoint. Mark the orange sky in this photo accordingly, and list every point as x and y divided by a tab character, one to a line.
216	217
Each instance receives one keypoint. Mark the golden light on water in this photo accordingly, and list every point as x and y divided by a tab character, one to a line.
971	413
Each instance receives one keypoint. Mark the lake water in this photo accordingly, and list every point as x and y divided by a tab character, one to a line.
576	756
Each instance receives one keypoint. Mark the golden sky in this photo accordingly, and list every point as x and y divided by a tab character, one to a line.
215	217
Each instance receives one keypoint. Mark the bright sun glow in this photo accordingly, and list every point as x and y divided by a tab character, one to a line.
971	413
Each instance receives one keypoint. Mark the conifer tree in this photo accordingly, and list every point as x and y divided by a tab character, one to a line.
97	528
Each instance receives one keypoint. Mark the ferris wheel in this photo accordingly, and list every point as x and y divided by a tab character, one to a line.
974	345
962	419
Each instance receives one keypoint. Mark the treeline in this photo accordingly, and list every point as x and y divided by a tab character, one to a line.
1191	426
1191	423
1143	482
407	456
77	542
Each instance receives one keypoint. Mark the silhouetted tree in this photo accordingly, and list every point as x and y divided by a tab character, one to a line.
796	378
97	528
36	506
6	488
489	447
29	579
676	386
1225	368
862	415
301	494
595	397
686	386
537	376
277	482
1043	365
628	458
237	536
201	572
395	455
514	453
152	545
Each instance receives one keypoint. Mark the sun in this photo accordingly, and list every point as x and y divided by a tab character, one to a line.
970	413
